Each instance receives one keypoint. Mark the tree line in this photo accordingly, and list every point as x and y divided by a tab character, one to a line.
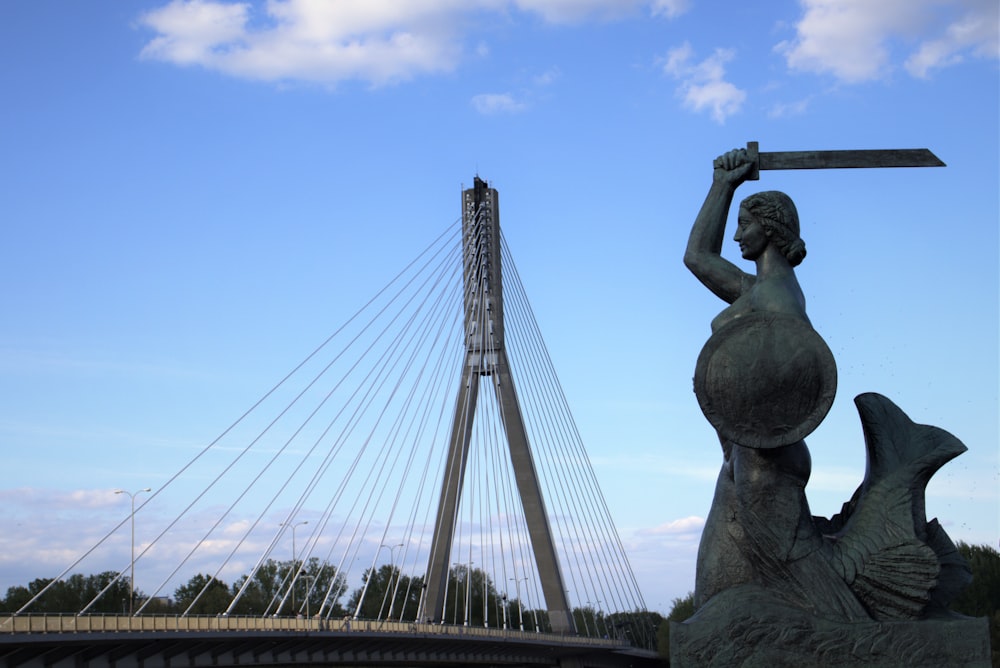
267	592
471	599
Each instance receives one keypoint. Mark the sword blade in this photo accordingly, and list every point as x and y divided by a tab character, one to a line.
862	158
893	157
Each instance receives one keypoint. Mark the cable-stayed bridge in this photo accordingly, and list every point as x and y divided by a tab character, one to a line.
414	492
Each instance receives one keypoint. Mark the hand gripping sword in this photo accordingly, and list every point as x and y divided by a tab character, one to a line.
894	157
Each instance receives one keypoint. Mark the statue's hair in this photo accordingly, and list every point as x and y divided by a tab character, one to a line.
777	214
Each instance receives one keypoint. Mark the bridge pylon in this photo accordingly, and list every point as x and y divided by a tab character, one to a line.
486	361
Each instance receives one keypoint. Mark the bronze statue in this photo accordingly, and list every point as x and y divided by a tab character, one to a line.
773	582
760	489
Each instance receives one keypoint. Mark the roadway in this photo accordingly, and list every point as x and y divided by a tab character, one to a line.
158	641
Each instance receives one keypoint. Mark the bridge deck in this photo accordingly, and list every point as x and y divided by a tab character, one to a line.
37	641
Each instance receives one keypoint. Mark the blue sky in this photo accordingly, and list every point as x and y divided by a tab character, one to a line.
197	193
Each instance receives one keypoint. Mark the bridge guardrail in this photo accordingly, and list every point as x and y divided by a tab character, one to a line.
69	623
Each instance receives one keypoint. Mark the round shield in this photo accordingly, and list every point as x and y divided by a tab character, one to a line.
765	380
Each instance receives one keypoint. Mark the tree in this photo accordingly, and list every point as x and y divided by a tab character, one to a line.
15	599
639	627
388	594
318	589
202	595
537	620
471	598
982	597
18	596
80	590
73	594
519	616
682	609
590	622
261	594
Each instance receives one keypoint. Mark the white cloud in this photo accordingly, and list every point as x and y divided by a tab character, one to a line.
547	78
46	530
378	41
669	8
664	558
789	109
703	85
190	32
572	11
687	526
976	33
678	59
497	103
54	500
847	38
853	39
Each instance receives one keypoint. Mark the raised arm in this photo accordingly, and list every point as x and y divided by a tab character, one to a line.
703	254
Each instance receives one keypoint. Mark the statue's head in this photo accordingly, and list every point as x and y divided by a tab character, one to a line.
776	213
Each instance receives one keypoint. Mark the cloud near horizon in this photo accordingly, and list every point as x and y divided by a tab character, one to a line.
685	526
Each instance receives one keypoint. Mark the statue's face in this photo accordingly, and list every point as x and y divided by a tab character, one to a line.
750	235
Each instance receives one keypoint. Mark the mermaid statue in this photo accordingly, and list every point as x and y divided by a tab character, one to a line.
776	585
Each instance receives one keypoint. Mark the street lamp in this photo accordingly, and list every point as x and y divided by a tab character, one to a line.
392	569
392	552
520	608
592	607
468	589
131	584
308	580
295	569
468	594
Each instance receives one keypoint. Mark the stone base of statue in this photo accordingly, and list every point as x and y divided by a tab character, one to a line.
749	626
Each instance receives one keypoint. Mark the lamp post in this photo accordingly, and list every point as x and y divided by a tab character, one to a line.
392	569
294	569
520	607
392	553
468	592
592	607
131	584
308	580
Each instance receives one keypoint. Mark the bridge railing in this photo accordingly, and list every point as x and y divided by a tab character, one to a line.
68	623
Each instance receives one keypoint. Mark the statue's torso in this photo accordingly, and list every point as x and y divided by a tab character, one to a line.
780	294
